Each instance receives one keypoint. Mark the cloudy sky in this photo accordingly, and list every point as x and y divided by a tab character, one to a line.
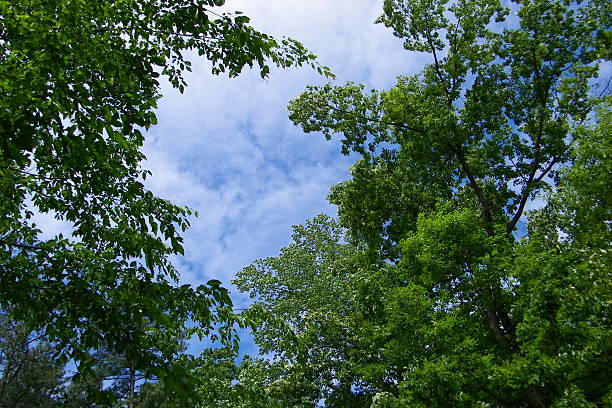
227	149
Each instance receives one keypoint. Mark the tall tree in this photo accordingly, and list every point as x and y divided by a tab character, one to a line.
30	376
79	82
464	309
342	331
307	318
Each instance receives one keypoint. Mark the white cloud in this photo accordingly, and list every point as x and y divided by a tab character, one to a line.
50	226
227	149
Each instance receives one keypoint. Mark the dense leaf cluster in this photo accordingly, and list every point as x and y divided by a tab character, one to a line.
79	82
445	291
434	288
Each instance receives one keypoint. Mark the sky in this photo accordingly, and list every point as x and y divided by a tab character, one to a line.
226	148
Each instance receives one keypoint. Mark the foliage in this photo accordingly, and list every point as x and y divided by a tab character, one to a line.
32	375
79	82
218	381
453	296
110	380
305	316
29	375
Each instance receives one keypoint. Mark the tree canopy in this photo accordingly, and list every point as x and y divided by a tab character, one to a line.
435	287
453	294
79	84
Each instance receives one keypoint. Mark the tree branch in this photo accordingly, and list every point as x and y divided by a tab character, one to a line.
382	122
484	203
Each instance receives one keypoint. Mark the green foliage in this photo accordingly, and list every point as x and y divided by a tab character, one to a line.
218	381
493	114
444	299
305	317
79	81
29	375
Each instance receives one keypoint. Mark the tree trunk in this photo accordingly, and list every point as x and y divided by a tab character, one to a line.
132	385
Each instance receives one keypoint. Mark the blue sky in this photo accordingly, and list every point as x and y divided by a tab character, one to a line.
227	149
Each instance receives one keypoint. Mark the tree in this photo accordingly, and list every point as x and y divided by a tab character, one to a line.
306	318
29	375
345	331
218	381
464	308
79	82
110	380
567	260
